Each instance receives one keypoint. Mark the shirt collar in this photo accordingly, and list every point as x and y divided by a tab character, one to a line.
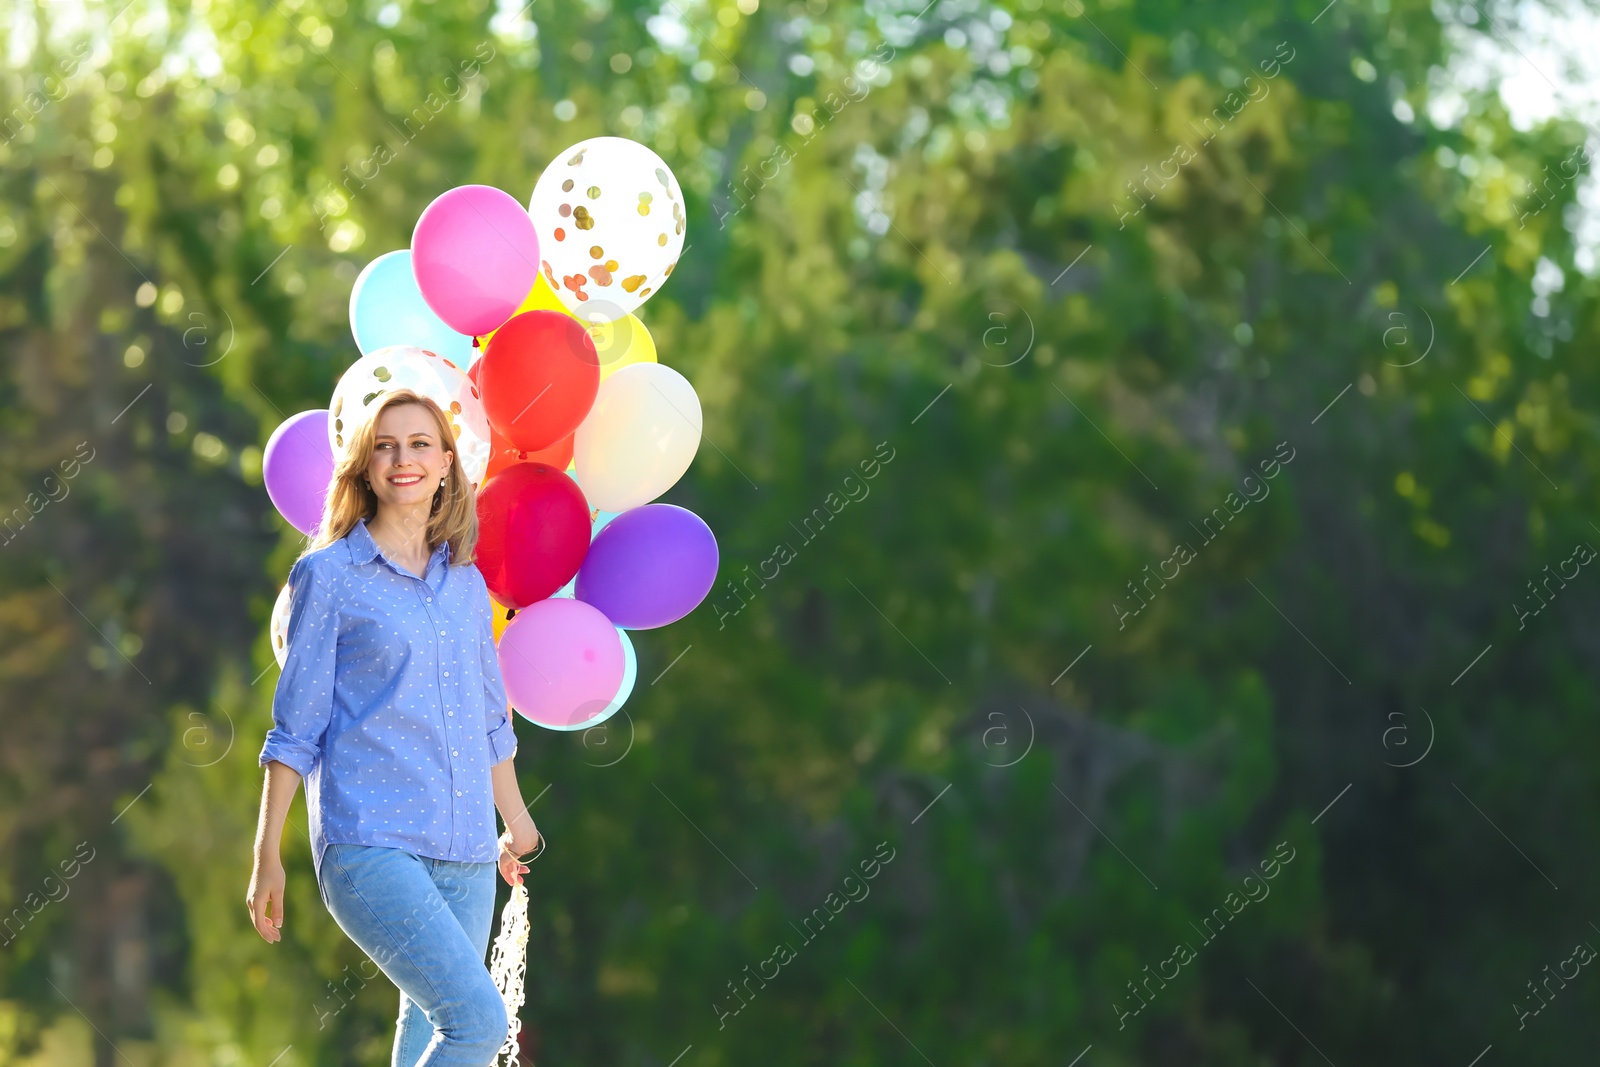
364	549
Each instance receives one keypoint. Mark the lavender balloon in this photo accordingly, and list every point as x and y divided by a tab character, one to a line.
650	566
297	467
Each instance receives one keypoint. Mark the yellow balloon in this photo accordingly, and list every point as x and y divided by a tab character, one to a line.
501	618
540	298
618	344
621	344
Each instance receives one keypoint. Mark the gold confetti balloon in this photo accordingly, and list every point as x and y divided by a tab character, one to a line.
610	219
424	372
279	626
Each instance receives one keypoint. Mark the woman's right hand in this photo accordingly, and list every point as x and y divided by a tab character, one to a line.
265	897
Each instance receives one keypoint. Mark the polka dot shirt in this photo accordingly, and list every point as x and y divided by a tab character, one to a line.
391	704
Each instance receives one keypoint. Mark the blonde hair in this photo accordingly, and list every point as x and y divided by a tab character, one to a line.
454	516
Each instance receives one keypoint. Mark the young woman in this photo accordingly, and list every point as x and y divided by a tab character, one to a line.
392	707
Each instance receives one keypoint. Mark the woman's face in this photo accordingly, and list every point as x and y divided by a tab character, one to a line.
408	459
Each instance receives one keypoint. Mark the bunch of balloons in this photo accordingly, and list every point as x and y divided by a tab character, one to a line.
519	323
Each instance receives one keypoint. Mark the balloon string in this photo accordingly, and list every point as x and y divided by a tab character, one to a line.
508	964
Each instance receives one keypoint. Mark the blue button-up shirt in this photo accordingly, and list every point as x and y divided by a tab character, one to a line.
391	704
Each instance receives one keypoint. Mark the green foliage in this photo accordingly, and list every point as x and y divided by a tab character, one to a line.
955	262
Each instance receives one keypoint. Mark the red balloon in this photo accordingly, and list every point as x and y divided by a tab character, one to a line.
533	533
502	455
539	378
501	452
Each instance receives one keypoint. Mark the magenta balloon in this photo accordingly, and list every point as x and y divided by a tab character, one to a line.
475	256
562	662
649	566
297	467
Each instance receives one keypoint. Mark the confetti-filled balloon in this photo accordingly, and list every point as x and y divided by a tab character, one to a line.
280	626
437	378
610	219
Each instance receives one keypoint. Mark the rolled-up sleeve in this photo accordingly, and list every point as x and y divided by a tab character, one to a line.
302	705
497	709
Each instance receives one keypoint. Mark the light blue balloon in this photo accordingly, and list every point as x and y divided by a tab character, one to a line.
630	674
570	590
602	520
386	308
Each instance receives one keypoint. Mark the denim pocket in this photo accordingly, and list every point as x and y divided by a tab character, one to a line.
326	871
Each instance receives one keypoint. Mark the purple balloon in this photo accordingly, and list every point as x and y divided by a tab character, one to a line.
650	566
297	467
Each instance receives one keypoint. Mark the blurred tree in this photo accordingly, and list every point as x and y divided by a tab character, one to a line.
1056	273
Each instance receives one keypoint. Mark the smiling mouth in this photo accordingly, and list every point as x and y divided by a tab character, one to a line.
405	479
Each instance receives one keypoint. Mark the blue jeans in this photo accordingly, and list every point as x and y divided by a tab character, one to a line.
425	923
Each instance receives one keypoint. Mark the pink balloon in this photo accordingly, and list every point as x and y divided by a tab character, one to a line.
475	256
562	662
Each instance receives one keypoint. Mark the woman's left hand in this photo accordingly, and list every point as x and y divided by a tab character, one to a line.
518	841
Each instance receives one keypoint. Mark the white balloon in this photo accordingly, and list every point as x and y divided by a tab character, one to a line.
280	626
433	376
610	219
639	438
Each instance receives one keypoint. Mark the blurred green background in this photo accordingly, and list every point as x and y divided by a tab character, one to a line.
1081	271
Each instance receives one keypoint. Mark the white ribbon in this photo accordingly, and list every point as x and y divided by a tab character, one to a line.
508	962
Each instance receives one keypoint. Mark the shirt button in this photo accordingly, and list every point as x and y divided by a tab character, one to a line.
453	752
451	714
430	600
458	792
441	633
447	674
